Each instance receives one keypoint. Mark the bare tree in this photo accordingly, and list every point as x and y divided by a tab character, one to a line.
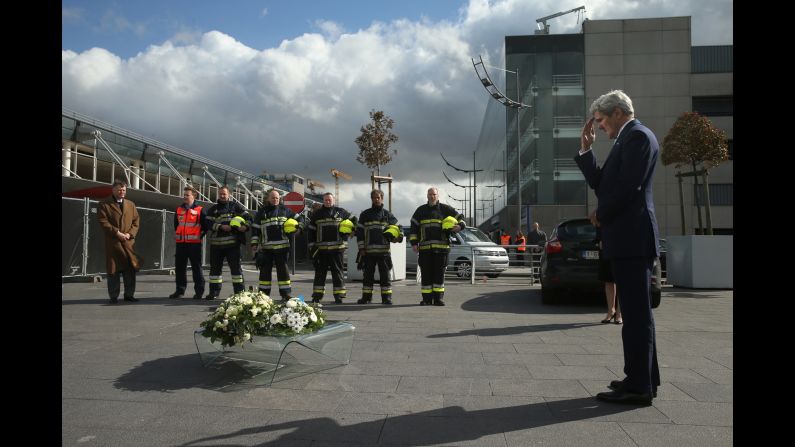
375	140
695	142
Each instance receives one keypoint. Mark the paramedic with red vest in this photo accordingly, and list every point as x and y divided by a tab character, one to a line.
190	226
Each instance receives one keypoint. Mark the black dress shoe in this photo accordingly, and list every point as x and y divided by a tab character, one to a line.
114	300
175	295
198	296
617	384
625	397
129	298
210	297
438	303
364	301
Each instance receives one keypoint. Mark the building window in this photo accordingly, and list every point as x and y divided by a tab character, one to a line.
720	194
714	105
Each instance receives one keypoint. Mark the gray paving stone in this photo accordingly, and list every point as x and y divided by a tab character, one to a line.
347	382
487	371
570	433
664	435
721	375
521	359
389	403
708	392
548	348
530	387
444	385
698	413
571	372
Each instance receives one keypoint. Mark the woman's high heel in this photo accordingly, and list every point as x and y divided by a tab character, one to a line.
609	317
617	320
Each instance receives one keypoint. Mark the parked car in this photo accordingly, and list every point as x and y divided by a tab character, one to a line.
490	258
570	263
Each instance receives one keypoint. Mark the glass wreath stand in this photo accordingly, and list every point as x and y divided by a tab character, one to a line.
269	359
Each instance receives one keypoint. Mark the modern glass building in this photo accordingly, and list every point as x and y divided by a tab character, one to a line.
559	76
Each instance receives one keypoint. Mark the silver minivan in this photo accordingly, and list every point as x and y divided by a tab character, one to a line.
491	259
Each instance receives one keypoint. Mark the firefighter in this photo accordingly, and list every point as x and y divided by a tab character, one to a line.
227	222
270	243
190	225
431	225
377	227
327	236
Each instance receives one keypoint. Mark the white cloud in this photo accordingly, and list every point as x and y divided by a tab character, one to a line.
299	106
113	22
72	14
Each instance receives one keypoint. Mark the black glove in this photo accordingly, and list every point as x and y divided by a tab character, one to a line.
359	261
258	259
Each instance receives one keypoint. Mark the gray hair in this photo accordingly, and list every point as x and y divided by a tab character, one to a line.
610	101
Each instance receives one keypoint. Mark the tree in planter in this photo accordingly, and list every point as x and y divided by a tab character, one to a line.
375	140
694	141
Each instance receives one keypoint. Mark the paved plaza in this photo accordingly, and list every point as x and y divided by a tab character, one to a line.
494	367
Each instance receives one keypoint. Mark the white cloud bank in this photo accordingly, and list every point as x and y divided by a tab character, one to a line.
298	107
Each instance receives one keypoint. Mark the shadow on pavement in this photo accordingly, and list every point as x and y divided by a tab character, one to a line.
515	330
528	301
448	426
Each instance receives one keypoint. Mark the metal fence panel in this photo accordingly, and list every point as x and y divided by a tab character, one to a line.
72	237
154	242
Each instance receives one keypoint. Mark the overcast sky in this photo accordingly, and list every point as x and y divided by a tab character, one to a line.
286	86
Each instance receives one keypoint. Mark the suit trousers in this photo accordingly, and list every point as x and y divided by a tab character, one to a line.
232	255
432	267
184	253
633	283
384	263
323	263
269	258
114	285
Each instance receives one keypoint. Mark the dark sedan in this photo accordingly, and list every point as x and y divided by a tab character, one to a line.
570	263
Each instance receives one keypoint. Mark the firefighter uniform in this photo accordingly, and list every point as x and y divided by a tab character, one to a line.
225	244
326	247
433	240
374	247
189	227
270	235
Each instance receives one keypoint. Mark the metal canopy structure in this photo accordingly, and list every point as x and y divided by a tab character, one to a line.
483	74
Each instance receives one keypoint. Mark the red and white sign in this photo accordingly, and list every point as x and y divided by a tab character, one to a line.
294	201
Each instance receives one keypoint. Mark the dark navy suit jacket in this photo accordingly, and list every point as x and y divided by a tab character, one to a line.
623	185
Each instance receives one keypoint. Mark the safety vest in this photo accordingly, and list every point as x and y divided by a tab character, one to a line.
189	230
505	239
521	243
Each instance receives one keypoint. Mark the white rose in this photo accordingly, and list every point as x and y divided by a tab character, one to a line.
291	303
254	311
246	336
276	319
313	317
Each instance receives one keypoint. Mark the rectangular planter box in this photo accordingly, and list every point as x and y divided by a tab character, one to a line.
701	261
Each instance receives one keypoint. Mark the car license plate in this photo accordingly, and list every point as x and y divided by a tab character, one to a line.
590	254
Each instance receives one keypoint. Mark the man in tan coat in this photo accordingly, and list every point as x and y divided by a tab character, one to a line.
118	218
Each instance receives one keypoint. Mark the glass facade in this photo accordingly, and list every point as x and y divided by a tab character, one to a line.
550	79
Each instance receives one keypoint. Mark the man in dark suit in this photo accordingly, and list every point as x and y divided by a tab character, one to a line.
625	213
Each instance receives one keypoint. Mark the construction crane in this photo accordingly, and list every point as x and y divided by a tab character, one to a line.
313	184
543	28
337	174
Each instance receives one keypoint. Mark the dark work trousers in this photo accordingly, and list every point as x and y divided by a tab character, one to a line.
114	286
192	252
232	255
633	277
269	258
384	263
323	263
432	266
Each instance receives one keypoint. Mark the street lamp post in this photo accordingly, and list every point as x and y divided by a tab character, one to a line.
473	184
485	79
